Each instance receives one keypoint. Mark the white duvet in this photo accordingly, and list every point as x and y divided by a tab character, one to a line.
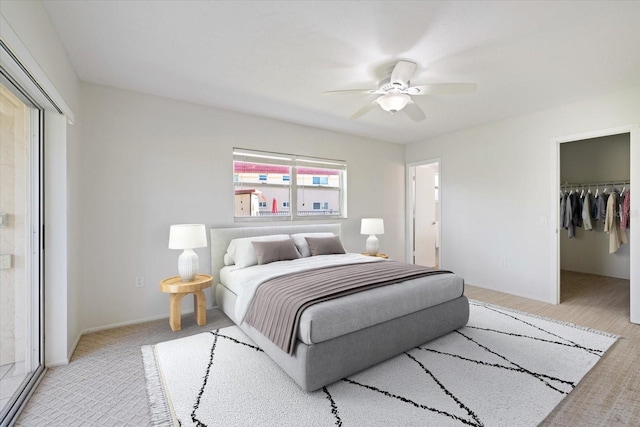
245	281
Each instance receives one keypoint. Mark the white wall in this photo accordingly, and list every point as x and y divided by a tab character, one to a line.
604	159
30	21
149	162
498	192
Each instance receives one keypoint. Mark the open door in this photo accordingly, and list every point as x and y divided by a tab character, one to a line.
425	222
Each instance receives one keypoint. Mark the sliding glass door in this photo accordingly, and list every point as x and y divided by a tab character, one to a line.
21	287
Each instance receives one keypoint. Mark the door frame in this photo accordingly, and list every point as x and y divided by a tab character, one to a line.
21	70
634	237
410	169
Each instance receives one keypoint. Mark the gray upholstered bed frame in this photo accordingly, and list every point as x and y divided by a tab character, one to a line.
317	365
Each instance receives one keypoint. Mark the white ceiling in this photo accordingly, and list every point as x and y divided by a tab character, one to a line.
275	58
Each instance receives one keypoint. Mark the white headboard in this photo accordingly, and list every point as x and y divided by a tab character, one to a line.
220	238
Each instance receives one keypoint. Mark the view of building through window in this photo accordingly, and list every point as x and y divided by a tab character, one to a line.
268	184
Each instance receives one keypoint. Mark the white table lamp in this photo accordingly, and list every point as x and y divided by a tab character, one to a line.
372	226
187	237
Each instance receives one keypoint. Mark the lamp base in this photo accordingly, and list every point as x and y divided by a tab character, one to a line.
372	245
188	265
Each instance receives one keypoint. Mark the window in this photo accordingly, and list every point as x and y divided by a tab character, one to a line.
267	184
320	180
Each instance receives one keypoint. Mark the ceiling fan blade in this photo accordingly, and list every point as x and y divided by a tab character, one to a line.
414	112
402	72
360	91
361	112
442	89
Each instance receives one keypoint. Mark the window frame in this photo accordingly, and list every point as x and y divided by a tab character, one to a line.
293	161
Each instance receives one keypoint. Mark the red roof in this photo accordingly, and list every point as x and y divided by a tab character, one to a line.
261	168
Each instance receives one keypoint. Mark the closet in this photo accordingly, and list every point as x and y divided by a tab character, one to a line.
595	165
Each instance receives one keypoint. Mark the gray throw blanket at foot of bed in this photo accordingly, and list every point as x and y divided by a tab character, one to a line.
278	303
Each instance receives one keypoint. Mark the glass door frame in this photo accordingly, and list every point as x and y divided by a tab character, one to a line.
34	327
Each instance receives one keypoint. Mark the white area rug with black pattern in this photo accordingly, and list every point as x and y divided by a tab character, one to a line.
504	368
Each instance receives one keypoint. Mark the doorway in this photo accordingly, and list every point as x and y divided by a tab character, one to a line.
21	287
596	258
423	184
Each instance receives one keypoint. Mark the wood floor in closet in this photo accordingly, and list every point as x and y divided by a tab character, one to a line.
610	393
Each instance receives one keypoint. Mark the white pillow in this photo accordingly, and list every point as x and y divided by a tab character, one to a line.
301	242
242	251
227	259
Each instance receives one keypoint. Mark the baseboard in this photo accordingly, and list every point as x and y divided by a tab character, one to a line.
73	347
133	322
515	294
127	323
55	363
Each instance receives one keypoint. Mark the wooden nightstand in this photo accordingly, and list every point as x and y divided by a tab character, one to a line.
379	255
178	289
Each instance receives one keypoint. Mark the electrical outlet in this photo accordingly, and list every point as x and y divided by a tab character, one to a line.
5	262
502	263
139	282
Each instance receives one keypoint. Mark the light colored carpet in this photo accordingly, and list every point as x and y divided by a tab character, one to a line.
504	367
609	395
104	383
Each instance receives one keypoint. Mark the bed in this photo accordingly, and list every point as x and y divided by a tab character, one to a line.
338	337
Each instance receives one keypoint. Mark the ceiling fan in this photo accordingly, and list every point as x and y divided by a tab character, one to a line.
396	92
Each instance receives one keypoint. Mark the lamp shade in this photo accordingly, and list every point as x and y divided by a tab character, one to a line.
372	226
393	102
187	236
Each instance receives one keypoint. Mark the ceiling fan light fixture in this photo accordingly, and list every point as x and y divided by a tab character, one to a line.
393	102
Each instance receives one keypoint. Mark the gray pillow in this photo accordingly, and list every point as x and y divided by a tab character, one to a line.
301	243
279	250
325	245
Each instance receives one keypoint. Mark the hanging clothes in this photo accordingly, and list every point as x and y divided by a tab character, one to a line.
617	236
602	206
624	212
576	211
586	212
580	206
563	208
594	207
571	211
568	216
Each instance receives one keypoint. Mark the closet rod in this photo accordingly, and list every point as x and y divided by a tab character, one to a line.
596	184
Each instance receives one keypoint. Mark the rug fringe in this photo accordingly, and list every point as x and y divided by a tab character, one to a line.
548	319
159	406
